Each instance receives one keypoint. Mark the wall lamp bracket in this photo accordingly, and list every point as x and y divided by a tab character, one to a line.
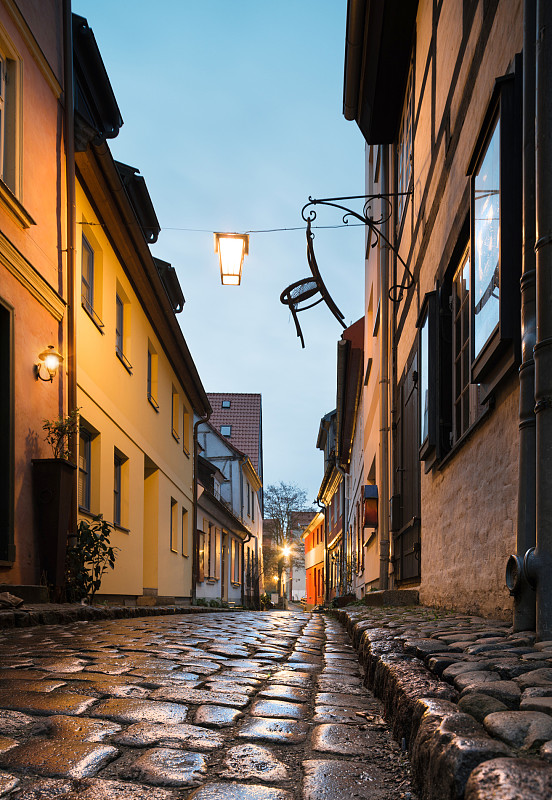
366	216
50	360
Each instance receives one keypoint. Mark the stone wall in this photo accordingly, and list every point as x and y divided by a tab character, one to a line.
469	516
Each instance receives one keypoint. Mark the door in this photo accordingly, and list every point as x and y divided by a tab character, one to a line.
406	525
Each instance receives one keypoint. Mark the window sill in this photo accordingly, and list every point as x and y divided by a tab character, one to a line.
124	360
85	512
185	555
465	437
175	436
121	528
91	314
153	403
186	452
12	205
174	551
7	563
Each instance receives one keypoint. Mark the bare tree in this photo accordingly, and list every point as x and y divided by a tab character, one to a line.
281	503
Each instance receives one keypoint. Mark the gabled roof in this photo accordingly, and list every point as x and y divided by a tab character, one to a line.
245	417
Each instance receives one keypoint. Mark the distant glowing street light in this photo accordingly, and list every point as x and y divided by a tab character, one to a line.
231	247
286	550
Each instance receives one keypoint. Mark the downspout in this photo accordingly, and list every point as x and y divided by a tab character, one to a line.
520	588
539	561
242	462
69	116
384	383
195	554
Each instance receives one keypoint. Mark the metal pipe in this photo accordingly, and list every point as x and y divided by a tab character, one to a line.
524	593
384	385
71	216
542	560
195	554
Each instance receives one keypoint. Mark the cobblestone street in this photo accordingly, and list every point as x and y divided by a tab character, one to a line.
244	706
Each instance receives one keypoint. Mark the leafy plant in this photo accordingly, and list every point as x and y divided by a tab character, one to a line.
89	558
59	432
201	601
214	603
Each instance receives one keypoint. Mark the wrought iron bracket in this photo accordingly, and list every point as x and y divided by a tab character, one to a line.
367	218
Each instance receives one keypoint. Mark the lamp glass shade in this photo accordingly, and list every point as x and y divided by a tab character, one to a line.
51	359
231	247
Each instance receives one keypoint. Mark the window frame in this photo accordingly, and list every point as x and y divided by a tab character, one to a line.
120	331
85	456
173	529
152	376
117	489
429	315
502	349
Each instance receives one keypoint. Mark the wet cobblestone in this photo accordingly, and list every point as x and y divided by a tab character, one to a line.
217	706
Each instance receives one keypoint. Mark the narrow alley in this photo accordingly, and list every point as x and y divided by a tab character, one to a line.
242	706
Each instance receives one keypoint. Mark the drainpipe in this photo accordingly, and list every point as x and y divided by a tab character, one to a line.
384	384
539	561
195	554
69	131
516	579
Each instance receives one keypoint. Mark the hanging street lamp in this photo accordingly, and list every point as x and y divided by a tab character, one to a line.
231	247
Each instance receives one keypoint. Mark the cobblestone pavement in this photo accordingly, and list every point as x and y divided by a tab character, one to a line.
243	706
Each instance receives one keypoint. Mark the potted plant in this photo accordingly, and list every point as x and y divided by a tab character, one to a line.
53	487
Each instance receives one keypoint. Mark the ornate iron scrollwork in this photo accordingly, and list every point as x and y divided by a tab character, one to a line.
397	290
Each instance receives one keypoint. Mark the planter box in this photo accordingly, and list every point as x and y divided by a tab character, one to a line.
52	488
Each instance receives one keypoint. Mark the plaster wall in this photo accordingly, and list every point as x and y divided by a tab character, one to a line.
32	263
115	405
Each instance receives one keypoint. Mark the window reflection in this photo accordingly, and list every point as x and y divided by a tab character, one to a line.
487	243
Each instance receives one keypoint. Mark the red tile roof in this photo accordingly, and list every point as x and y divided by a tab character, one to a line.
245	417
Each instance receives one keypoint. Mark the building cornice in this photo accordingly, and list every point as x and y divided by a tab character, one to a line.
27	275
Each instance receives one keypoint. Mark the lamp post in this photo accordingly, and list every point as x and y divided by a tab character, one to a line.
231	247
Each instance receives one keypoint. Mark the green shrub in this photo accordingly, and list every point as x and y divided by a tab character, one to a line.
214	603
88	558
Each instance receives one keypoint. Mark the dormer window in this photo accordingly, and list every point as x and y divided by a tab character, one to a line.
226	430
226	403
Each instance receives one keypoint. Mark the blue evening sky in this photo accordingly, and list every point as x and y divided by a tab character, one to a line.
233	114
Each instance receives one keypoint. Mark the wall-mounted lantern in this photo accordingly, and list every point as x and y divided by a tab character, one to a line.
370	507
51	360
231	247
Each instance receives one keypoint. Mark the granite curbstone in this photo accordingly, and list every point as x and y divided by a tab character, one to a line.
58	615
410	665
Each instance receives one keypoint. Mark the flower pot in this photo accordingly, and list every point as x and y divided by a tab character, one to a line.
53	488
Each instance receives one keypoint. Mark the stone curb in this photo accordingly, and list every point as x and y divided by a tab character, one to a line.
65	614
453	757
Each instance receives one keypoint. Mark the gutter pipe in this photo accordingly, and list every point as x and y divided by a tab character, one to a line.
69	115
538	562
195	554
384	383
516	578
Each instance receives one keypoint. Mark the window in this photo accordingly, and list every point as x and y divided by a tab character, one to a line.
235	565
226	430
122	309
496	237
85	440
226	404
174	526
89	289
404	151
428	354
248	500
184	529
117	463
120	489
175	414
201	554
152	376
186	430
10	122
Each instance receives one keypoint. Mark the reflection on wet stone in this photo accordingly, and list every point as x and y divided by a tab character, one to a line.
53	758
279	731
249	761
145	735
164	766
238	791
216	716
140	710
